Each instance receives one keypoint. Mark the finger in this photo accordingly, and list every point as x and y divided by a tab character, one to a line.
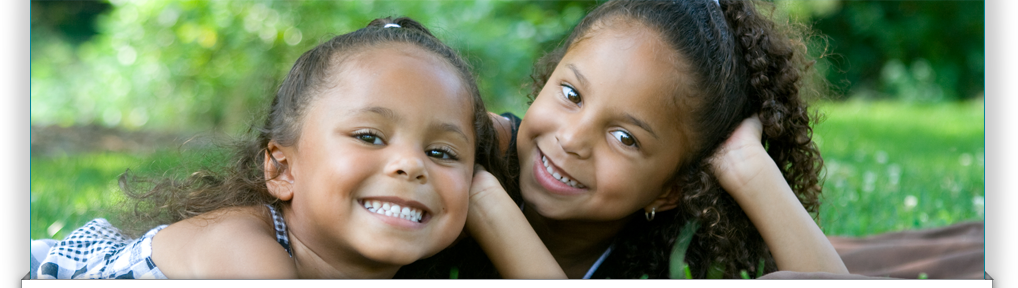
754	121
751	127
481	178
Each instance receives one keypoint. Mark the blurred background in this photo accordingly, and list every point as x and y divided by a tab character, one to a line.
157	86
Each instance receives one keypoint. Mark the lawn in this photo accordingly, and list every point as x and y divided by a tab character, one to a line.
889	166
893	166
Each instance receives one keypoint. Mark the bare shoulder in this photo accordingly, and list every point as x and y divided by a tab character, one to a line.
236	243
504	127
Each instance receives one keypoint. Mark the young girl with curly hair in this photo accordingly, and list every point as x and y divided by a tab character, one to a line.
654	114
364	164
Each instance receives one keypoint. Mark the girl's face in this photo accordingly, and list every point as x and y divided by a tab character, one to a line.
601	139
384	161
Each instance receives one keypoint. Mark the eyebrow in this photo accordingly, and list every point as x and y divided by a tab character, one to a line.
631	119
583	80
391	115
447	127
385	112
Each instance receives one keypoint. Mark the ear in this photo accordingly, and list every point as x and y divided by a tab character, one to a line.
668	200
278	175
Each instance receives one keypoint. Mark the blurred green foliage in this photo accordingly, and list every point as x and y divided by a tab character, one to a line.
914	51
199	65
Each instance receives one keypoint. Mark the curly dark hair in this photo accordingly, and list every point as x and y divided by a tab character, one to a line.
744	64
243	182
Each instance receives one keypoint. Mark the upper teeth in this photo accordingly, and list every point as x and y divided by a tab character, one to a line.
393	210
560	177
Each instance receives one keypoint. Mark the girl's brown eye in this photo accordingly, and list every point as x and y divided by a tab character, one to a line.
570	94
624	137
442	153
368	137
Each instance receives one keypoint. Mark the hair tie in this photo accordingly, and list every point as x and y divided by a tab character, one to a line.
391	25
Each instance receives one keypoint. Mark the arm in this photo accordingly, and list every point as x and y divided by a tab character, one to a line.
748	173
504	234
231	243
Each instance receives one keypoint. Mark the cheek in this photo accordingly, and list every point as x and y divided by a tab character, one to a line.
340	172
453	188
630	183
540	118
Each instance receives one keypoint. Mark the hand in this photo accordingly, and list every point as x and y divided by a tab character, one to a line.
743	167
483	185
742	158
504	234
486	196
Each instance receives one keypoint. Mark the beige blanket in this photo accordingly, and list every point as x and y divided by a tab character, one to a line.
952	252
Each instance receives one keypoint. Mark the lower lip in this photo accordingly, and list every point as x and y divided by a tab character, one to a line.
549	182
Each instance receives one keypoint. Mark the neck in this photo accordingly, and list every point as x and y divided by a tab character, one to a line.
576	245
330	264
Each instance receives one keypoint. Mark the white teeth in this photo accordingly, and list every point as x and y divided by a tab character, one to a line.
560	177
393	210
370	206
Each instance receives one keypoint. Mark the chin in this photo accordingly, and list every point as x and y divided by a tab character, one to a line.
397	255
403	251
536	202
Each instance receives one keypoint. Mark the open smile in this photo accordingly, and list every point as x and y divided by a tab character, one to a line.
553	178
397	208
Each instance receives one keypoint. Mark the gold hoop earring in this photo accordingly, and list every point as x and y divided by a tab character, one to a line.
650	215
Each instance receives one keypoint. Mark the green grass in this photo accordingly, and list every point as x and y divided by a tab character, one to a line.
894	166
69	191
890	167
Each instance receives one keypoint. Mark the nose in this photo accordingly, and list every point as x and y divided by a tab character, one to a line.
574	136
408	166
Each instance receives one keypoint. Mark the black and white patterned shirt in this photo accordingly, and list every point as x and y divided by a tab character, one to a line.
98	251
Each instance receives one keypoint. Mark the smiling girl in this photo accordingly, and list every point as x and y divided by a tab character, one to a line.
616	150
364	164
632	133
